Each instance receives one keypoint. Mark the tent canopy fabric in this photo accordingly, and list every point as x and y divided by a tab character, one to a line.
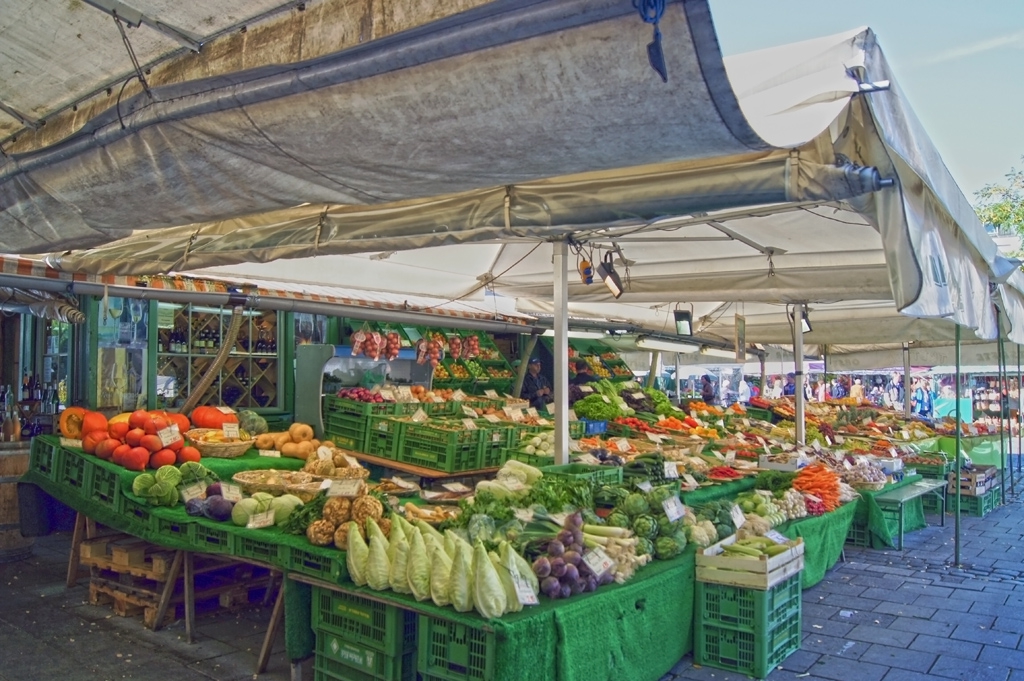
513	123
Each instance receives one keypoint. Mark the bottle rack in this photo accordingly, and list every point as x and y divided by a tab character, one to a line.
185	353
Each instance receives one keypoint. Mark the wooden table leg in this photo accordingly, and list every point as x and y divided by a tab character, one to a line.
76	548
276	617
190	598
165	595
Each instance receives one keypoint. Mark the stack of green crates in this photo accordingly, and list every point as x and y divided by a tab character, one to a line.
448	449
346	422
362	640
746	630
450	651
384	436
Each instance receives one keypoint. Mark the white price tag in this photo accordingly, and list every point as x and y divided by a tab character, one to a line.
272	453
543	422
230	430
326	484
420	416
738	519
572	416
598	561
226	410
231	492
671	470
456	487
816	446
622	444
730	456
828	441
524	592
324	453
746	423
638	396
513	485
349	487
813	498
70	443
352	462
847	465
167	436
458	396
693	414
589	459
196	490
776	537
644	486
574	446
388	394
469	411
655	437
905	435
690	481
892	452
674	509
586	389
718	455
532	412
491	418
403	483
514	413
437	399
767	452
523	514
470	424
260	520
720	423
559	518
840	439
866	422
491	393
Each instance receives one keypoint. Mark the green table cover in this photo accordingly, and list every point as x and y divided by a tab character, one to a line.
948	444
884	530
824	537
726	490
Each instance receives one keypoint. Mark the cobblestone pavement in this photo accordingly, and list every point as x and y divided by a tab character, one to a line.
880	616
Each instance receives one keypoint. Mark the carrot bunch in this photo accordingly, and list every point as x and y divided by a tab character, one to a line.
821	482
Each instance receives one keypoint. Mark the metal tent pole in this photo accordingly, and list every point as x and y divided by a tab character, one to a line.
1002	387
959	454
561	351
1020	420
906	380
655	367
679	383
798	359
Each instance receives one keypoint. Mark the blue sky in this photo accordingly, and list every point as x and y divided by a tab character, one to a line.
960	63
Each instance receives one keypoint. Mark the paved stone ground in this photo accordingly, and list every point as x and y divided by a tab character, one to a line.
880	616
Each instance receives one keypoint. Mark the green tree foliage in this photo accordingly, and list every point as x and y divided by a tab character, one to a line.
1002	203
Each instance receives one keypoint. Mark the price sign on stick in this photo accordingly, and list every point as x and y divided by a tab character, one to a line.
420	416
231	492
196	490
469	424
469	411
644	486
738	519
776	537
70	443
260	520
524	592
589	459
674	509
671	470
598	561
272	453
168	436
456	487
345	488
491	393
690	481
230	430
458	396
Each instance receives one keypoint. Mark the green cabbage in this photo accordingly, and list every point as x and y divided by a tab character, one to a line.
418	567
440	574
357	554
242	511
427	530
158	491
168	474
460	584
397	536
142	483
636	504
263	501
373	530
398	577
450	545
193	472
252	422
283	506
488	593
505	565
377	566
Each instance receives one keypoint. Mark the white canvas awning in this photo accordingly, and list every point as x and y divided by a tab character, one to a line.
439	160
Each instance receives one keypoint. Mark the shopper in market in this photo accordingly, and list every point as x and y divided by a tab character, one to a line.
583	374
921	400
743	396
707	390
790	387
536	386
857	390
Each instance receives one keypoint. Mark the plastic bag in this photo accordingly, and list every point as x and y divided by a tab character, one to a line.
480	528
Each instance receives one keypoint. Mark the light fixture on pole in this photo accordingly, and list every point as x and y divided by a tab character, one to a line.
684	322
592	335
609	276
805	322
718	352
645	343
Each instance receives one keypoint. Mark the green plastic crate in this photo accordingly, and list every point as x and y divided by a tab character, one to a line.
745	652
177	529
73	470
212	539
341	405
263	550
978	507
346	431
931	504
453	651
859	535
330	568
449	451
366	665
759	414
387	629
44	457
441	409
139	513
605	475
384	437
532	459
577	429
748	609
105	488
494	447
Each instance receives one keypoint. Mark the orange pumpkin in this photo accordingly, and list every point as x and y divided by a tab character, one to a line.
120	418
183	423
71	422
211	417
94	421
93	439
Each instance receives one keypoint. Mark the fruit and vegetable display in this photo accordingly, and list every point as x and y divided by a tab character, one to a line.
136	440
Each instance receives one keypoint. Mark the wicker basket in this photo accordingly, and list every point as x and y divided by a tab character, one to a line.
868	486
303	485
217	450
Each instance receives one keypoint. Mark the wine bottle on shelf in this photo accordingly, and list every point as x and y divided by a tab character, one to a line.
37	390
273	346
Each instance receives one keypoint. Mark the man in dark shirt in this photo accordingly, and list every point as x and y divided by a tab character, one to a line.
707	390
583	374
536	387
790	387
